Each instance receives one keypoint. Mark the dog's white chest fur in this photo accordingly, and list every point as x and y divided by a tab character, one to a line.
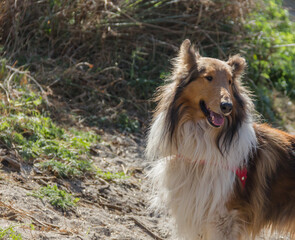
195	181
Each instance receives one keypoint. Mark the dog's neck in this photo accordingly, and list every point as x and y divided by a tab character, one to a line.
240	172
197	141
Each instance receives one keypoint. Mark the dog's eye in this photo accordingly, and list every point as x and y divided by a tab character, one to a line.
209	78
229	81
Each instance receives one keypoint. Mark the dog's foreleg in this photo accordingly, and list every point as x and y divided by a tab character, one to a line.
224	227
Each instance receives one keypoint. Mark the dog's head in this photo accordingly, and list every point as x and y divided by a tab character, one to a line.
204	88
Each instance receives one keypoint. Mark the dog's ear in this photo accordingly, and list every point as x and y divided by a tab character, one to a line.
187	57
238	65
187	54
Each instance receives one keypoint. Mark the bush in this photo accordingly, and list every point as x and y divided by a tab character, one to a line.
270	51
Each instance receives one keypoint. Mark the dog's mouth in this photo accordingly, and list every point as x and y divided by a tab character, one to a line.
214	119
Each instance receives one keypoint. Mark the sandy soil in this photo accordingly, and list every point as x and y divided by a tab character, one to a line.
106	210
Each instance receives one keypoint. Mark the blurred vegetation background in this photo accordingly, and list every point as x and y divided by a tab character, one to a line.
99	62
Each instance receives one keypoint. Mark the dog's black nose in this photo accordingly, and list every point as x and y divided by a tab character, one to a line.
226	107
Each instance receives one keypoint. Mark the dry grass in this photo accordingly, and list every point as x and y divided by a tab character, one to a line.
112	52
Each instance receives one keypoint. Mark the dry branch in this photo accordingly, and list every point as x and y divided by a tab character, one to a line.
142	225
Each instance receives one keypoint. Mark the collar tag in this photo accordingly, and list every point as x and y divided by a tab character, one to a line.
242	175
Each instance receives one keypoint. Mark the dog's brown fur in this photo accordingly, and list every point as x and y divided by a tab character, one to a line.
268	198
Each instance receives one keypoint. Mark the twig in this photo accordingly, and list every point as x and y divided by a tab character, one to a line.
199	15
113	68
284	45
44	177
9	80
7	94
22	212
54	82
12	162
208	36
29	76
140	24
125	14
140	224
83	64
100	204
175	48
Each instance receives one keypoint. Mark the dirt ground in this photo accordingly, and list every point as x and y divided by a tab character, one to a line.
115	209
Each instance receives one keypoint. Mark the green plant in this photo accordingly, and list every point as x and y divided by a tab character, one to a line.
38	137
126	123
9	233
28	128
56	197
270	54
109	176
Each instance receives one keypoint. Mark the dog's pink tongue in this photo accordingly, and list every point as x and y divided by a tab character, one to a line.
216	118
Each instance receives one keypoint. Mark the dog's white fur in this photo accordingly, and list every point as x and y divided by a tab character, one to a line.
193	180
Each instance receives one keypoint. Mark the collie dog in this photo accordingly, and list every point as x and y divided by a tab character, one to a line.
221	175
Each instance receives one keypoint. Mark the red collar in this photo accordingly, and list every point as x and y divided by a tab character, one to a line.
242	175
240	172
